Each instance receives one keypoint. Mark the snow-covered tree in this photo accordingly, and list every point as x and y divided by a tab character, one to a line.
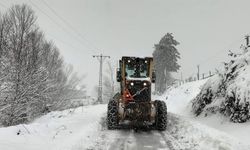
109	86
33	76
227	92
165	58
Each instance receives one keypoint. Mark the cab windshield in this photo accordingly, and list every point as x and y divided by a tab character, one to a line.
137	68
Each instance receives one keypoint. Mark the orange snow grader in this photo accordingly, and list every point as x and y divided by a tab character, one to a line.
133	106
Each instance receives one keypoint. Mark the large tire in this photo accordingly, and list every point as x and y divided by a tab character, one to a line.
161	115
112	115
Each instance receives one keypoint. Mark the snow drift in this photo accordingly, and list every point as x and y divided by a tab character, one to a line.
72	129
178	98
214	132
228	92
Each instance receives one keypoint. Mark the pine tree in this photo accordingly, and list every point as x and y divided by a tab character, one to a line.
165	57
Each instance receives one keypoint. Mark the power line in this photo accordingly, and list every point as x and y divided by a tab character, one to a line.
213	56
69	25
219	52
63	41
6	1
3	5
64	29
101	58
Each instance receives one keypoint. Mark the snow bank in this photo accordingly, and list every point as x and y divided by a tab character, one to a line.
178	98
221	123
197	136
227	92
57	130
192	128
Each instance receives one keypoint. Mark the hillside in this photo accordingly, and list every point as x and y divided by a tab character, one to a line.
227	92
180	101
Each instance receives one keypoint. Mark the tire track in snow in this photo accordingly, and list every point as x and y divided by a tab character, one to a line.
129	139
126	139
123	142
172	142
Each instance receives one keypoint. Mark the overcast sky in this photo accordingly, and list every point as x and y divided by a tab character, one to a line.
206	29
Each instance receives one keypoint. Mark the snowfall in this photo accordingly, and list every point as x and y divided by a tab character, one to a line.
85	128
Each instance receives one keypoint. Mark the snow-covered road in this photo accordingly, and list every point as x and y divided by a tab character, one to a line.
147	140
181	134
127	139
85	128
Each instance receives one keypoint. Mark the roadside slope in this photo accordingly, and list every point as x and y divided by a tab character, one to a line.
179	104
178	98
62	130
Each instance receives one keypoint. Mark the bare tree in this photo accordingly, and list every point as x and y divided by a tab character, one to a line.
33	76
109	85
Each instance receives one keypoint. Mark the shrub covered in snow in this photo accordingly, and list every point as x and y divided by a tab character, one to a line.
227	92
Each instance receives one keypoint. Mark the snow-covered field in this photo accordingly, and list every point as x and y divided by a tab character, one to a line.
65	130
85	128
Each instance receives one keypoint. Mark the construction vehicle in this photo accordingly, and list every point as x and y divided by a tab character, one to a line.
133	106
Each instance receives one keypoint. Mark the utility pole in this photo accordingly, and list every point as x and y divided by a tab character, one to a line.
198	73
181	78
101	59
247	40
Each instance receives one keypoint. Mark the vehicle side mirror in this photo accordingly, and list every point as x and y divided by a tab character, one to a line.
118	75
153	77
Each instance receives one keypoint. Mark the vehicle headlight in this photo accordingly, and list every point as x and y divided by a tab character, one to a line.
132	83
144	84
